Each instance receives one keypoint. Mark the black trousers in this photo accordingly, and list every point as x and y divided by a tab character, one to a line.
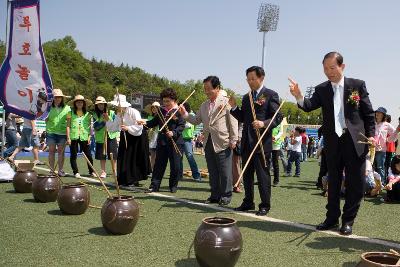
163	154
342	156
275	164
394	194
263	177
85	148
323	168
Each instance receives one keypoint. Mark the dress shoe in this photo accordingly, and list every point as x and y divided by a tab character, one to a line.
151	190
211	201
173	189
326	225
262	212
224	202
275	183
346	229
245	207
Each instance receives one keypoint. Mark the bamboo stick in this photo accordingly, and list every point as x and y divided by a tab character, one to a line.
257	130
173	114
161	116
255	147
219	112
115	177
122	118
97	175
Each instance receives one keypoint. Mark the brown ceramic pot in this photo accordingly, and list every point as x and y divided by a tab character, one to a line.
218	242
120	215
23	180
378	259
73	199
45	188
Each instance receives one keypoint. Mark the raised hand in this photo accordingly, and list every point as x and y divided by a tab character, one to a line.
141	122
232	101
182	110
294	88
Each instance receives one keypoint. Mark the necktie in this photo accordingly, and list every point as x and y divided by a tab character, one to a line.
254	94
338	110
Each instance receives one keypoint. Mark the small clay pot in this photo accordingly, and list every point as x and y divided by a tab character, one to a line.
218	242
73	199
45	188
23	180
378	259
119	215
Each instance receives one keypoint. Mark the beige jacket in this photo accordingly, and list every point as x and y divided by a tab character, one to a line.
223	129
398	144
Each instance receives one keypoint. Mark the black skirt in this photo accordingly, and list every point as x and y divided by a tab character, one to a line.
112	147
133	163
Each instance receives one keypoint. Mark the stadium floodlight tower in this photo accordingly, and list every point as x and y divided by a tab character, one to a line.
268	17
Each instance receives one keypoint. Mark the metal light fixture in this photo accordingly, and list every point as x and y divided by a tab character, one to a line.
268	17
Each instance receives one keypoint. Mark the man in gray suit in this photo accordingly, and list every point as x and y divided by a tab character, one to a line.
221	134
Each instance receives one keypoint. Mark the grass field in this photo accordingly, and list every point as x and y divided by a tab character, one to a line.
38	234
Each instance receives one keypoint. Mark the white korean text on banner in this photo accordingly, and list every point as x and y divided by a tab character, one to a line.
25	83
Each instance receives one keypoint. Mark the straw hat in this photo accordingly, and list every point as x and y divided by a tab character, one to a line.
100	100
148	107
223	93
82	98
122	101
59	92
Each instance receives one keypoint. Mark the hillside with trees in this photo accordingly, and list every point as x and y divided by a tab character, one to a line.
75	74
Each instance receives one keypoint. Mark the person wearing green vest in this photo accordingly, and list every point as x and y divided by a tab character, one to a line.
56	130
188	134
101	134
277	140
78	131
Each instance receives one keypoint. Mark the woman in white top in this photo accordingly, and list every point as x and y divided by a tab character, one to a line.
133	151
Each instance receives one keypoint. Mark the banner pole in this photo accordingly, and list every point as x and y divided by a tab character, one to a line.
3	122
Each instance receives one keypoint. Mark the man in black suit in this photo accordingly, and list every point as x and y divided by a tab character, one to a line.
266	103
347	113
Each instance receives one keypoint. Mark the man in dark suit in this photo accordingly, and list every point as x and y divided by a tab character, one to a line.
266	103
347	113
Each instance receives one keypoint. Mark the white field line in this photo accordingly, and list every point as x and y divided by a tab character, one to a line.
261	218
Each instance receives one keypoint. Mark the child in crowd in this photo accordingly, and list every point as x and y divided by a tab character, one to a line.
393	186
373	180
295	154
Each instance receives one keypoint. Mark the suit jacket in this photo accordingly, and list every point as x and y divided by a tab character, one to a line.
268	104
358	119
176	125
222	128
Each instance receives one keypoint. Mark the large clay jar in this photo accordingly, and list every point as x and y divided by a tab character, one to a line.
378	259
119	215
218	242
23	180
45	188
73	199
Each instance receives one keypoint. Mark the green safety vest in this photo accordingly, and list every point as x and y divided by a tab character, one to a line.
56	122
99	134
187	133
275	132
80	126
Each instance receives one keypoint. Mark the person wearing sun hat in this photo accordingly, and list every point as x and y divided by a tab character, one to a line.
56	129
78	131
101	134
133	163
151	109
384	132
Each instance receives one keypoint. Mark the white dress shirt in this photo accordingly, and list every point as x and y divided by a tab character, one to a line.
130	118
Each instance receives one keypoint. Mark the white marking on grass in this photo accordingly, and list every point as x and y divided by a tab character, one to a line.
262	218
